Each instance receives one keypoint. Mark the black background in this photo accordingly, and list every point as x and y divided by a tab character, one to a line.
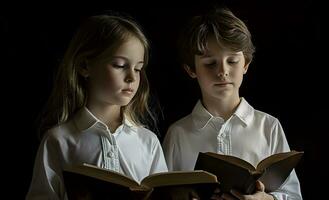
287	77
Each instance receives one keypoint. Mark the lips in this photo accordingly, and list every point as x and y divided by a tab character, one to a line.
223	83
130	90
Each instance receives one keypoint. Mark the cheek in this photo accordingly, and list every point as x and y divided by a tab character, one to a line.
138	80
206	73
106	81
111	81
205	81
205	76
238	73
238	77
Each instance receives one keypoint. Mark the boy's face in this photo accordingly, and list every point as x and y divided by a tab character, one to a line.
219	72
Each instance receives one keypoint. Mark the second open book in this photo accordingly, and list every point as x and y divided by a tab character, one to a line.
235	173
91	182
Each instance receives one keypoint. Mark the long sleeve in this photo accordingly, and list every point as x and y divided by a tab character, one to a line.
47	179
168	149
290	189
159	163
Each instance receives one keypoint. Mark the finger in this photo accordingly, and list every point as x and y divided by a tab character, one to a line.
260	186
237	194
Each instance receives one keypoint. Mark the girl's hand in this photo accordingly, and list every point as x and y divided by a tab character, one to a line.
260	194
216	195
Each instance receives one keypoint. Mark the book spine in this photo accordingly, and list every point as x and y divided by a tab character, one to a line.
250	185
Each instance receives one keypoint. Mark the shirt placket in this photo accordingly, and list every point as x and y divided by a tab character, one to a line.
110	152
224	140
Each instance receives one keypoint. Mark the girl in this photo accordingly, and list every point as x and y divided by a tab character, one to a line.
217	51
96	110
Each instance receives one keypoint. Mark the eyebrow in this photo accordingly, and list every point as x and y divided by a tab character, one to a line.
126	59
230	54
236	54
206	56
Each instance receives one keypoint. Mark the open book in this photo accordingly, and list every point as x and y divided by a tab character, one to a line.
92	182
236	173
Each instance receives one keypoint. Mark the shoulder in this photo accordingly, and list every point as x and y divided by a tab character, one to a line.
180	128
250	115
266	118
266	123
183	124
146	135
60	133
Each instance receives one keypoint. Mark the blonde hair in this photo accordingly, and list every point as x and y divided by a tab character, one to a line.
98	35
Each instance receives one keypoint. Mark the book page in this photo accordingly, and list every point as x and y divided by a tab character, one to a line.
277	168
265	163
178	178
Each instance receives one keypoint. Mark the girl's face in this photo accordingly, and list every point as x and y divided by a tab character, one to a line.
219	72
116	81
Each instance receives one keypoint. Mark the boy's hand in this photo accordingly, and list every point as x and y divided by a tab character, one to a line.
260	194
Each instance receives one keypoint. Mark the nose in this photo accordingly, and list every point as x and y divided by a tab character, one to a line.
130	76
222	70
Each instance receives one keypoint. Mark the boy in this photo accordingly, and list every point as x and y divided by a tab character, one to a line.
217	50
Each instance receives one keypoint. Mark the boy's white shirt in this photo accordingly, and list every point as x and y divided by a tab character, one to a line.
132	150
248	134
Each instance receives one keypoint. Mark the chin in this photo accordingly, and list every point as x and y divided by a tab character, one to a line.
124	102
222	94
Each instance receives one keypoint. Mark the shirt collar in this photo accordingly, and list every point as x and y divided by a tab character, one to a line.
201	117
85	119
244	112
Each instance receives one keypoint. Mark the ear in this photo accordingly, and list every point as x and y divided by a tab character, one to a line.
83	69
189	71
246	66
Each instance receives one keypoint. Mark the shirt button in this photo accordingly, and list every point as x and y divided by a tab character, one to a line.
110	154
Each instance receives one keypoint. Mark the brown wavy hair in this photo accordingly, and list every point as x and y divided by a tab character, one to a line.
221	23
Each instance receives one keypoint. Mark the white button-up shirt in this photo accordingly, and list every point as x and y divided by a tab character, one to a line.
248	134
132	150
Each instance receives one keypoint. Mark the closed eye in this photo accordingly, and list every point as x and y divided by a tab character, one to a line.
233	61
139	66
210	65
118	66
138	69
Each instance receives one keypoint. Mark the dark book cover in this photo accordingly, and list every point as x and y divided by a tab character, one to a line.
233	172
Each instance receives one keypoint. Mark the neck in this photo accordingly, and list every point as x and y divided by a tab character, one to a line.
222	107
108	114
